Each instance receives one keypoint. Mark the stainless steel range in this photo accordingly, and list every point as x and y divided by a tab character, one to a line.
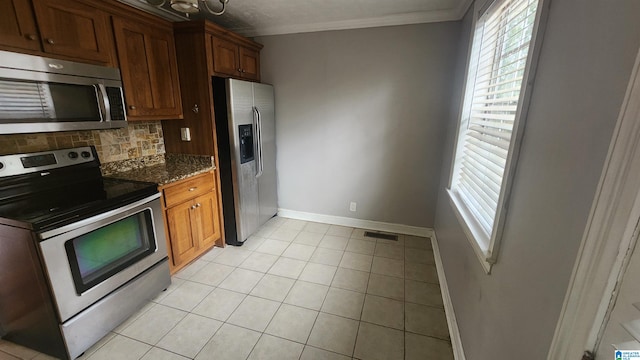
79	253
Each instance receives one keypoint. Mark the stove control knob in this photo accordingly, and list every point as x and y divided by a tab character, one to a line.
73	155
85	154
1	166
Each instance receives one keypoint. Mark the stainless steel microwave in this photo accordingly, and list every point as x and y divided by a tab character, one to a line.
39	94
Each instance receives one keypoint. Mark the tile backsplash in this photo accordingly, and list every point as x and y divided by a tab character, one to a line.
136	140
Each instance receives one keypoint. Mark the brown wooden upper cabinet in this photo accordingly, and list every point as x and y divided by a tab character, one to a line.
73	29
227	54
235	60
149	70
250	63
81	30
204	50
18	25
66	27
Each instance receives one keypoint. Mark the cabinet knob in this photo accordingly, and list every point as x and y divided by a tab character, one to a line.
239	70
50	41
31	37
198	205
243	71
193	188
193	207
132	107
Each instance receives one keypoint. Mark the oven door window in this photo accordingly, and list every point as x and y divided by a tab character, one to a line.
101	253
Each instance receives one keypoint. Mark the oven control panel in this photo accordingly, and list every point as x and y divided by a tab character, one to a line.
18	164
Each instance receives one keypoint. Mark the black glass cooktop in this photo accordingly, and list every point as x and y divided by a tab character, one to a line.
60	198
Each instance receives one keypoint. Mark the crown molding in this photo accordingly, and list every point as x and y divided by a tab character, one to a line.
422	17
392	20
156	10
463	7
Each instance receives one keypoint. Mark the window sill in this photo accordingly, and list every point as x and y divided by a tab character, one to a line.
475	234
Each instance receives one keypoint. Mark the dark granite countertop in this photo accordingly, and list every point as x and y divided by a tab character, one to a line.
173	168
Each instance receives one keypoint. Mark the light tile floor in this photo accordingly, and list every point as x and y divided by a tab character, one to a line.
295	290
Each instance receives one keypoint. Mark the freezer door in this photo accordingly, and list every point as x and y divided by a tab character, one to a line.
240	114
263	101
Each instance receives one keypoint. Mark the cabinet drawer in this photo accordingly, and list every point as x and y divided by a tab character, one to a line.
188	189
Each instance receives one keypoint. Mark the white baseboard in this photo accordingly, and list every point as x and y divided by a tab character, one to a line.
357	223
454	332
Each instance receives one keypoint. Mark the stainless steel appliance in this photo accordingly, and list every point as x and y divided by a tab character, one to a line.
39	94
246	132
79	253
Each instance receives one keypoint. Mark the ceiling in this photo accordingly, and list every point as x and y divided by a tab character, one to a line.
273	17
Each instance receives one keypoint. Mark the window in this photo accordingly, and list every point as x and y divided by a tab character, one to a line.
498	65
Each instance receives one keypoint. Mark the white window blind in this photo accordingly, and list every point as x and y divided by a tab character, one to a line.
497	65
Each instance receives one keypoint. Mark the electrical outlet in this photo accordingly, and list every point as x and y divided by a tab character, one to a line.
352	206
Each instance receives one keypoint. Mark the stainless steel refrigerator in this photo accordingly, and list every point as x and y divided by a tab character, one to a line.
246	132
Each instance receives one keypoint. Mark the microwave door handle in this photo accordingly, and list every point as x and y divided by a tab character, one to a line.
103	102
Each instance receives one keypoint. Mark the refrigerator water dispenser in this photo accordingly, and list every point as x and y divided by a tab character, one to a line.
246	143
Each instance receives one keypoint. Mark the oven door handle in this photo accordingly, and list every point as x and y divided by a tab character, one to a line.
97	218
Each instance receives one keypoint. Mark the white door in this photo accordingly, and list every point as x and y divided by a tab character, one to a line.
622	329
602	305
619	328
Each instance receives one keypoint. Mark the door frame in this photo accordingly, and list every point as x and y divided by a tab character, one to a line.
608	238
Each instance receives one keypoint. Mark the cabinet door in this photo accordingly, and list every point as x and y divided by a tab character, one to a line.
18	25
206	220
149	70
73	29
225	57
183	243
249	64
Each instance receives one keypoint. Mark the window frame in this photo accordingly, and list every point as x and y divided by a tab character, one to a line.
487	248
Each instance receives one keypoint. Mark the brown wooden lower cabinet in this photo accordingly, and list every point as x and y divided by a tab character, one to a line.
192	219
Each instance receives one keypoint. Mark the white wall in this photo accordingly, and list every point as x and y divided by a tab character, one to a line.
584	68
361	116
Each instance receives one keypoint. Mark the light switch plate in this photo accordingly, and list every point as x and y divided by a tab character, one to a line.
185	134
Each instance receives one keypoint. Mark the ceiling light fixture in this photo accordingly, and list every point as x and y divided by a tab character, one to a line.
190	6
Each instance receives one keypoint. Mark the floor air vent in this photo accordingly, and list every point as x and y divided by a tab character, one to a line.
381	236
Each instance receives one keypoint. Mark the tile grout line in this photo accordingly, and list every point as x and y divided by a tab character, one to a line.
353	352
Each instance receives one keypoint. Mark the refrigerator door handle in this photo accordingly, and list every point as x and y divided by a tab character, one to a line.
259	161
260	142
257	140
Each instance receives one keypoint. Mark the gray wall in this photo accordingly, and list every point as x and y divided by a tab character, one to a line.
584	68
361	116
